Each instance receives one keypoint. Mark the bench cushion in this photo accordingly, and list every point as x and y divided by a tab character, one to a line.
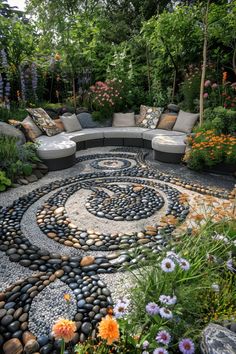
152	133
55	147
170	144
85	134
129	132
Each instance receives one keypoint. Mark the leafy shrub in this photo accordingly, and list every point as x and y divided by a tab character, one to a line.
17	159
190	90
221	119
209	149
4	181
14	113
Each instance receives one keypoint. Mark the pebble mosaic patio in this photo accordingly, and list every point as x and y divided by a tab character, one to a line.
76	235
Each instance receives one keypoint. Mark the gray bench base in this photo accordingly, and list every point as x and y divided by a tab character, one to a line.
61	163
167	157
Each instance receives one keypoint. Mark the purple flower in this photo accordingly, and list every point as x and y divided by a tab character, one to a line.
121	308
165	313
145	352
184	264
160	351
152	308
186	346
168	300
7	89
167	265
230	265
22	83
163	337
145	344
34	79
205	95
4	59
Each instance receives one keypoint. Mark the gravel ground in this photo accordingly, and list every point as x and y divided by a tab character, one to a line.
48	306
11	272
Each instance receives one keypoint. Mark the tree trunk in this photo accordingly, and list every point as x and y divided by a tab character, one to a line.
175	67
234	60
148	70
74	92
204	56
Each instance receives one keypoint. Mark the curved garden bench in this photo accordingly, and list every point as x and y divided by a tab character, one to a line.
58	151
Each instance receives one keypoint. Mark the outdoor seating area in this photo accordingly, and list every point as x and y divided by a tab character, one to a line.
117	177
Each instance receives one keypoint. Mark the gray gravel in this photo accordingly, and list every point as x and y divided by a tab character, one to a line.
48	306
11	272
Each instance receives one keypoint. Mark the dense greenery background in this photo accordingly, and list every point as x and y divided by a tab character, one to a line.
155	44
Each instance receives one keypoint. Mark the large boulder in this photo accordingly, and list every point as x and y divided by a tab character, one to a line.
218	340
9	130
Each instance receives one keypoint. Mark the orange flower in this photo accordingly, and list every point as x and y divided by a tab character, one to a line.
225	75
67	297
108	329
57	56
64	329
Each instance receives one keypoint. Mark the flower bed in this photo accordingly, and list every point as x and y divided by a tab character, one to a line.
209	149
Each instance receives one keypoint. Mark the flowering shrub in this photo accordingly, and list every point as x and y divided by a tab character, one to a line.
106	98
220	94
220	119
209	149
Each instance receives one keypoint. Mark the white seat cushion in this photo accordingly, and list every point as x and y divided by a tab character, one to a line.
129	132
152	133
171	144
54	147
85	134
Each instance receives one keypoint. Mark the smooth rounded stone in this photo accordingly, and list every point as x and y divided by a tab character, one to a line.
59	210
2	313
13	346
86	328
49	305
31	346
216	339
87	260
27	336
14	326
17	334
46	349
43	340
6	320
233	327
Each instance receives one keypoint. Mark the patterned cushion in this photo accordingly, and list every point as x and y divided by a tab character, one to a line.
167	121
30	129
149	117
43	121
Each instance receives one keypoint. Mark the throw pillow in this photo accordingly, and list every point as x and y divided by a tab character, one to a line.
86	121
71	123
185	122
167	121
43	121
149	116
59	124
30	129
123	120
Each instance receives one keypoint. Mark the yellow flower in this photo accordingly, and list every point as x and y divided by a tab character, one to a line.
108	329
67	297
64	329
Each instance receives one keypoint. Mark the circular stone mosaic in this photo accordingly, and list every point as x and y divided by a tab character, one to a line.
131	194
110	164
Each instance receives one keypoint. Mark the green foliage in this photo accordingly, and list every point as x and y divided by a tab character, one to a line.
221	119
4	181
15	159
190	90
13	113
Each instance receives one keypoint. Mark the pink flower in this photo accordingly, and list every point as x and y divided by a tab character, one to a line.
214	86
207	83
205	95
